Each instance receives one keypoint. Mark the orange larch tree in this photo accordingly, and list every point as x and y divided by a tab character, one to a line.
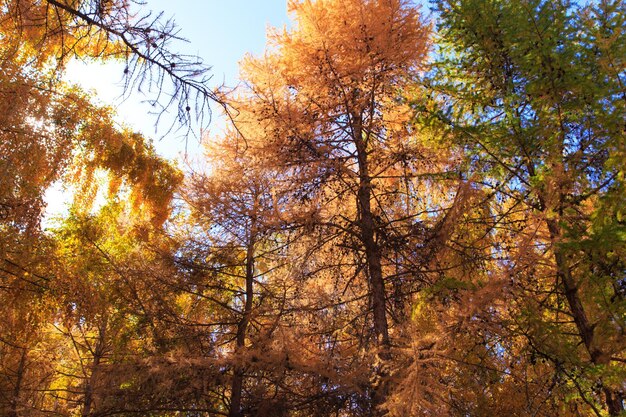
321	108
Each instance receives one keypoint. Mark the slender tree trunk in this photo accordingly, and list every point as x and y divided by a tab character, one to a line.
614	401
368	236
97	357
242	328
613	398
373	258
18	385
88	401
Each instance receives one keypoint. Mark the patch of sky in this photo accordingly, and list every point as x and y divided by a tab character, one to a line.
220	33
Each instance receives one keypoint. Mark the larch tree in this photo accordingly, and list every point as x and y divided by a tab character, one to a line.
324	99
66	135
233	206
535	92
51	132
118	320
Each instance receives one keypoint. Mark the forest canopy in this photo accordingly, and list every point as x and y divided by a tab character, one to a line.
411	212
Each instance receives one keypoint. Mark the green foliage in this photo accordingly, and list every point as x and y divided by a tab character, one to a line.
538	100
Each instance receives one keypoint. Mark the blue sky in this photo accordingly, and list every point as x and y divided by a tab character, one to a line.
221	32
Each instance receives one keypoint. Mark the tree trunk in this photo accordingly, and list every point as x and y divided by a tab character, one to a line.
373	256
97	357
585	329
613	398
242	327
18	385
367	228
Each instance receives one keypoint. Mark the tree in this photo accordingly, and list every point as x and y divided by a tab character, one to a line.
234	206
324	107
324	101
52	132
535	93
117	321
